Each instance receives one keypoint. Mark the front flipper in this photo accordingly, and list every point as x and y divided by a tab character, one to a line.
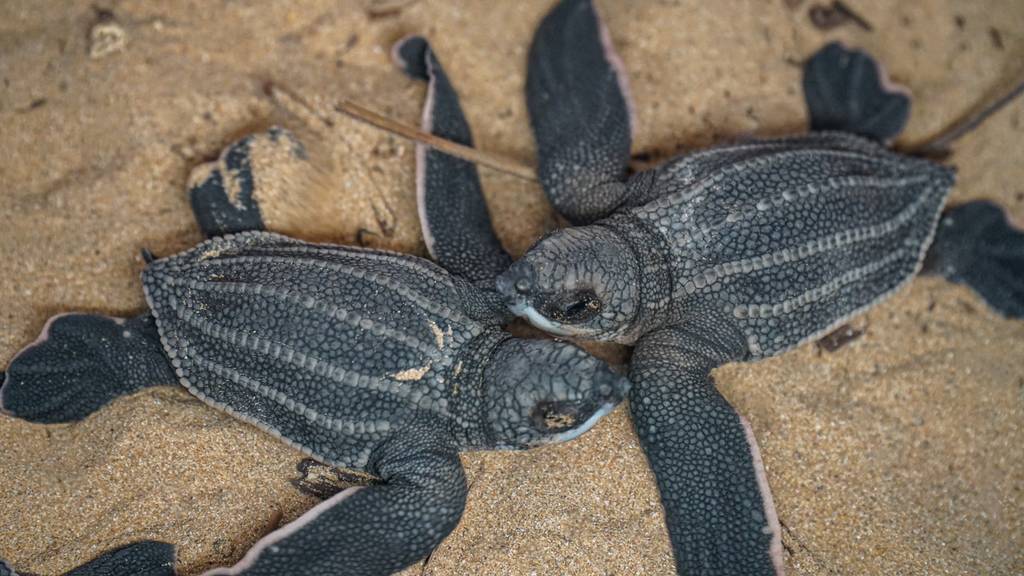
224	192
976	246
717	503
456	225
80	363
373	530
848	90
145	558
579	106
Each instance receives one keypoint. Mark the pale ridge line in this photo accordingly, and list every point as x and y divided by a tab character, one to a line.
786	143
768	310
362	274
345	426
922	249
306	362
241	241
404	260
805	250
690	237
310	303
760	161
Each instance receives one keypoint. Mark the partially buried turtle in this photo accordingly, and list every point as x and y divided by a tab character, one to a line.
734	253
371	361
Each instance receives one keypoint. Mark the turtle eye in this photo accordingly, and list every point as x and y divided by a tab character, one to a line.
575	308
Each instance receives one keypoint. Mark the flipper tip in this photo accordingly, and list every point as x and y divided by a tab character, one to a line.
976	245
846	89
409	54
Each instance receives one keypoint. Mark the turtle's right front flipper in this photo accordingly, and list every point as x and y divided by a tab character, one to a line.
374	530
579	107
453	213
718	507
975	245
80	363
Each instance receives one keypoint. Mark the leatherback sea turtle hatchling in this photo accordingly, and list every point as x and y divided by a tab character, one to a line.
371	361
735	253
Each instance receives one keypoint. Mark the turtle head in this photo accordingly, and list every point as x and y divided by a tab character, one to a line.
546	391
576	282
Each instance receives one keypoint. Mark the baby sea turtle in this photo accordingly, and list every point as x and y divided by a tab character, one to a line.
372	361
734	253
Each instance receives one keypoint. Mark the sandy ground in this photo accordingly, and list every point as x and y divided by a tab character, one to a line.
900	453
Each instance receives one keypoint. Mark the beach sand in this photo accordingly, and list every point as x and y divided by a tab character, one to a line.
899	453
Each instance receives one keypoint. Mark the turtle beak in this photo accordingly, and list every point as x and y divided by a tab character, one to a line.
517	283
518	286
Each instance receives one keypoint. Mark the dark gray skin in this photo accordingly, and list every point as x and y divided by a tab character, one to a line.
371	361
735	253
140	559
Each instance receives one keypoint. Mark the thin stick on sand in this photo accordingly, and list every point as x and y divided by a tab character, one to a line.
940	145
499	163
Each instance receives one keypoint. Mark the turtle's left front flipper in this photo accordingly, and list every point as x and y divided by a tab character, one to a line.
374	530
145	558
975	245
453	213
80	363
579	106
718	507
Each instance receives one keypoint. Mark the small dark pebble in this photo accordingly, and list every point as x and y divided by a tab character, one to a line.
838	338
997	38
323	481
838	14
362	236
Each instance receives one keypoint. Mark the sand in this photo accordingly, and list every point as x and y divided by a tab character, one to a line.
900	453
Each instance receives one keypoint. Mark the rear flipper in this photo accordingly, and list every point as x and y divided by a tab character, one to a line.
224	192
375	530
456	224
976	246
718	507
848	90
146	558
578	99
80	363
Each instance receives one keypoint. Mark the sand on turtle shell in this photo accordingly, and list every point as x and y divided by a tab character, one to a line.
900	453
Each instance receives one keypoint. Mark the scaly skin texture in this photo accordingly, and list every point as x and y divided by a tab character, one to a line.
146	558
735	253
975	245
765	244
381	530
448	188
373	361
80	363
691	436
583	146
786	237
256	323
